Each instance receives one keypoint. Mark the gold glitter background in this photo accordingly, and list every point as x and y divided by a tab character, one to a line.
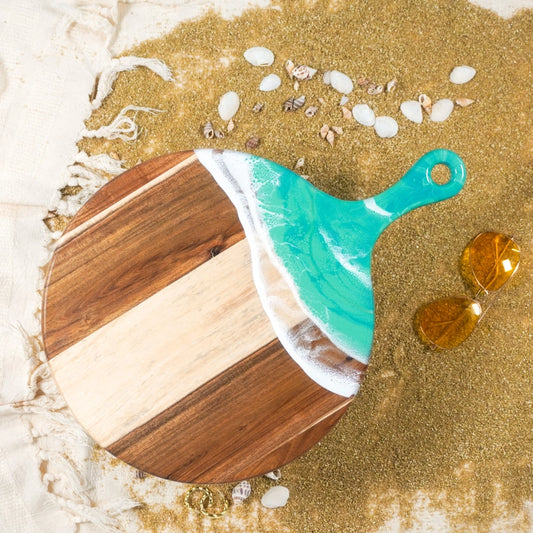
441	434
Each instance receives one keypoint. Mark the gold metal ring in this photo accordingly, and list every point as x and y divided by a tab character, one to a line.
206	502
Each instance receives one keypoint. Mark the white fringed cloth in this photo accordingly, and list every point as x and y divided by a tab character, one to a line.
51	52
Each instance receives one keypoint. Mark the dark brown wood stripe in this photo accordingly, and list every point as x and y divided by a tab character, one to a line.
275	422
135	251
126	183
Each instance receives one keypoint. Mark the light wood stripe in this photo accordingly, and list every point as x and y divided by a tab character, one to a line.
201	449
158	356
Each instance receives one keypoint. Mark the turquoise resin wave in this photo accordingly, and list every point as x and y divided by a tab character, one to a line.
325	244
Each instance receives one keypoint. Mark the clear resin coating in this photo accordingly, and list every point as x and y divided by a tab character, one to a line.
311	252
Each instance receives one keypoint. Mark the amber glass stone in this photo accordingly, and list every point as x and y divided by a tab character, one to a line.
447	322
490	259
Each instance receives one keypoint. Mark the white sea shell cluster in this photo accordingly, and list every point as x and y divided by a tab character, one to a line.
440	110
384	126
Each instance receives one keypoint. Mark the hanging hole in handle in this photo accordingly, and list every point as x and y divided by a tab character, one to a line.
441	174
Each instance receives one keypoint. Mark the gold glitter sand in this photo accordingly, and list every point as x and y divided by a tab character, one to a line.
445	433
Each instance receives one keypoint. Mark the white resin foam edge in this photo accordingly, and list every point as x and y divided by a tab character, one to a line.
233	173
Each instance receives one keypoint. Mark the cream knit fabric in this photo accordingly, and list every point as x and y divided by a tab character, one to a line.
51	52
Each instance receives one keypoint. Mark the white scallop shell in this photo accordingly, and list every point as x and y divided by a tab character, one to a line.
326	77
441	110
229	105
240	492
275	497
259	56
270	83
412	110
364	115
462	74
341	82
386	127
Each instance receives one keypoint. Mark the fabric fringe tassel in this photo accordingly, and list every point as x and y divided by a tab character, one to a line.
120	64
122	127
62	446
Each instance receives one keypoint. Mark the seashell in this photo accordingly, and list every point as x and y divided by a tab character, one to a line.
259	56
303	72
341	82
321	101
289	67
344	100
231	126
462	74
293	104
240	492
464	102
219	134
208	130
364	115
258	107
441	110
338	130
311	111
114	155
296	85
346	113
374	89
270	83
229	105
386	127
412	110
326	77
253	142
391	86
425	102
324	131
330	137
275	474
275	497
299	164
362	82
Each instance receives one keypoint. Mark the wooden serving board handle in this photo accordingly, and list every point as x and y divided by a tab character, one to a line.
158	341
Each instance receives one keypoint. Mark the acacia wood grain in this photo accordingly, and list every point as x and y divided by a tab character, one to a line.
150	230
206	433
136	250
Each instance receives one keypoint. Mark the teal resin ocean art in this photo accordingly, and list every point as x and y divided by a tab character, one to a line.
322	247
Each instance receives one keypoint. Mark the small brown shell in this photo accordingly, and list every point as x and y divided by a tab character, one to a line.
425	102
300	163
375	89
330	137
289	67
311	111
293	104
303	72
464	102
324	131
362	82
253	142
231	126
219	134
208	130
258	107
338	130
346	113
